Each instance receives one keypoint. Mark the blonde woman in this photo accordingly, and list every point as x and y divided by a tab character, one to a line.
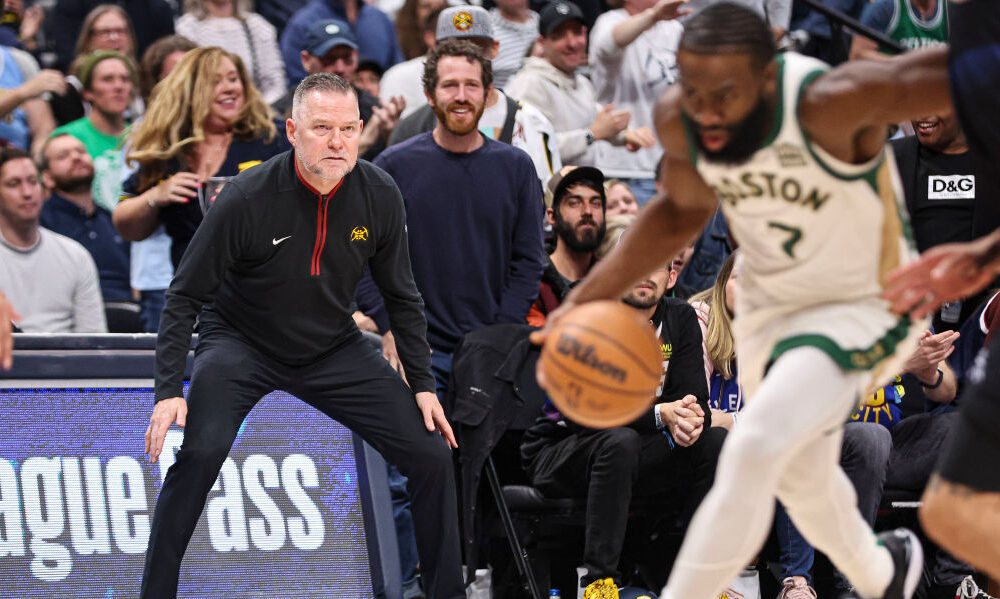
205	119
714	307
233	24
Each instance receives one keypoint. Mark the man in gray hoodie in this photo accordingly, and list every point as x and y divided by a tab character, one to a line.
567	98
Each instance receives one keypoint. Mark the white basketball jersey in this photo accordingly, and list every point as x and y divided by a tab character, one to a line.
813	230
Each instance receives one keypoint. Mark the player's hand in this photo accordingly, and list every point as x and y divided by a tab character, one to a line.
8	316
636	139
167	412
932	349
391	355
434	418
609	122
179	188
942	274
665	10
687	422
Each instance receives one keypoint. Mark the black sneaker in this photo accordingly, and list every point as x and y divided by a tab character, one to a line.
970	590
908	560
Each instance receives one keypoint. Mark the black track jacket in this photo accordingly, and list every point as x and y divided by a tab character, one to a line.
279	263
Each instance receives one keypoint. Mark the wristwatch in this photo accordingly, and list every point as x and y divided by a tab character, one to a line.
937	383
589	135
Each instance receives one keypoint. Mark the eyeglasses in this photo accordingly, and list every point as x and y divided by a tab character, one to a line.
110	32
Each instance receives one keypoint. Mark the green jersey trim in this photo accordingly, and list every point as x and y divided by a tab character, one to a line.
779	109
848	359
867	171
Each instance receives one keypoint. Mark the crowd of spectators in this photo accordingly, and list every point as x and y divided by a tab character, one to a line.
118	118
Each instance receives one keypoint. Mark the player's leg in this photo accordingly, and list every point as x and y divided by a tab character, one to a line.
228	379
359	389
961	506
804	395
822	502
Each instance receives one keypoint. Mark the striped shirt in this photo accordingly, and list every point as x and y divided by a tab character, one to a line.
515	39
268	72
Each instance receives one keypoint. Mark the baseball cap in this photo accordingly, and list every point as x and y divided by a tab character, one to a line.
326	34
462	22
563	180
555	14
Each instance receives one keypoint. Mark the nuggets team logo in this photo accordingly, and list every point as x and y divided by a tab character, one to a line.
462	21
359	234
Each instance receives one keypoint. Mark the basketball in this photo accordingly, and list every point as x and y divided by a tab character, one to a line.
602	364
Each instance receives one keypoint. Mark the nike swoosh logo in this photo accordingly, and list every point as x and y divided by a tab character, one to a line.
277	241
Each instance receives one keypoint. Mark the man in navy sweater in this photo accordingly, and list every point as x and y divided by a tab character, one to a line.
473	208
272	270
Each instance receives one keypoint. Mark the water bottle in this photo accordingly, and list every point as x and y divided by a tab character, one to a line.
555	594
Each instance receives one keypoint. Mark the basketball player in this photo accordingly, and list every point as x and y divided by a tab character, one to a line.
961	506
796	155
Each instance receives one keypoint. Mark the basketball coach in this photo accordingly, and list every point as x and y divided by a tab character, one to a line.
272	271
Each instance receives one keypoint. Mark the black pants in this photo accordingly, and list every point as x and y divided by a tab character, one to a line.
608	467
354	386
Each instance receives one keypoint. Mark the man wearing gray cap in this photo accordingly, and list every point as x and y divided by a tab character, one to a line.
584	128
504	118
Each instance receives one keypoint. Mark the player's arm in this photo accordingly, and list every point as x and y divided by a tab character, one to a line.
847	109
664	227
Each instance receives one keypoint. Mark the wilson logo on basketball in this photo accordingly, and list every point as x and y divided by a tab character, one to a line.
586	355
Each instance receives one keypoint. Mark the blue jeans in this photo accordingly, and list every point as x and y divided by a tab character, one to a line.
151	304
642	189
796	552
441	369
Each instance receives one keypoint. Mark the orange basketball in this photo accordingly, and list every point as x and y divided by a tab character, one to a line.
602	364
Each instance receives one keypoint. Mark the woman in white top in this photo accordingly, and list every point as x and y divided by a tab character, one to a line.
232	24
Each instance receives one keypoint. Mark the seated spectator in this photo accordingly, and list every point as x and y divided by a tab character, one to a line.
406	78
67	171
25	118
577	217
621	200
944	204
177	153
410	26
585	129
107	27
504	118
372	28
50	279
331	47
516	27
368	77
670	448
151	267
912	23
109	84
233	25
83	26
